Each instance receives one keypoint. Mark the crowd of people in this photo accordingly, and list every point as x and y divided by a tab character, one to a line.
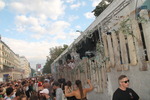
43	89
46	88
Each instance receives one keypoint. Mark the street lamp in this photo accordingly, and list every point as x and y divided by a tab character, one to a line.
79	31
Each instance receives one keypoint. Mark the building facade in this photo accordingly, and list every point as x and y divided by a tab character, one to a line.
9	64
116	43
12	66
25	65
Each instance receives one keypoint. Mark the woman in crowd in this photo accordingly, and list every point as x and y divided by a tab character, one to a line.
69	90
79	93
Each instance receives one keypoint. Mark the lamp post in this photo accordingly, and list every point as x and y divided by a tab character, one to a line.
81	32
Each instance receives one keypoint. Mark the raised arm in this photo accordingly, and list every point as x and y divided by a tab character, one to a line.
90	88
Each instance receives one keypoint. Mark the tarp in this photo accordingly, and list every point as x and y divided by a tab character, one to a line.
147	3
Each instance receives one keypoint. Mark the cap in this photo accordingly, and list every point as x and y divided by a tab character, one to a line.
39	83
46	91
46	80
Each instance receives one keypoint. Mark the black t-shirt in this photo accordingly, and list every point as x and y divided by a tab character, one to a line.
61	80
128	94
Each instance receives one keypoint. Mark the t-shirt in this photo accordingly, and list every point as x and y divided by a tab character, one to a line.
61	80
8	98
128	94
59	94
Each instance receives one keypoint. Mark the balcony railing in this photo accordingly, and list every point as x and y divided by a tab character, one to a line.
12	70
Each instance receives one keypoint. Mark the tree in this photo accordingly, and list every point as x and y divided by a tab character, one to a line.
101	7
47	68
54	53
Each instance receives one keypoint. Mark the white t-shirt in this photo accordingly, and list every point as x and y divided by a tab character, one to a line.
8	98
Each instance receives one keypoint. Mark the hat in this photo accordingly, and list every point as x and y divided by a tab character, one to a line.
46	80
39	84
46	91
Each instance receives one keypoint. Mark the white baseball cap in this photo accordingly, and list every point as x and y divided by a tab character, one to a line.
46	80
46	91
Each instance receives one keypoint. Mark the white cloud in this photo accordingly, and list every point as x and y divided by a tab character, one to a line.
95	2
89	15
35	25
35	52
36	36
58	27
39	27
77	5
72	18
24	20
49	8
69	1
20	28
61	36
71	37
2	5
35	18
75	34
78	27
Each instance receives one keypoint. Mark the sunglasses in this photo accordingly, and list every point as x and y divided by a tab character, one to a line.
127	81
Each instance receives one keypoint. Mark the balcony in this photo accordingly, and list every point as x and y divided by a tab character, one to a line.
11	69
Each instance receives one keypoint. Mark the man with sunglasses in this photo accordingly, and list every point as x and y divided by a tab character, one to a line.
123	92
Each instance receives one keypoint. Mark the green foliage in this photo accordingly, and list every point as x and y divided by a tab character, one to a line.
142	20
47	68
101	7
125	27
54	53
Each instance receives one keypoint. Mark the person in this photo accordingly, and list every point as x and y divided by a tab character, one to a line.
59	91
62	82
9	94
45	94
124	92
2	92
79	93
70	89
46	84
27	88
51	92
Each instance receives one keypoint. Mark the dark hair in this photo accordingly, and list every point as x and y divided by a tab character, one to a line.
20	92
121	77
9	90
8	84
69	83
34	96
56	83
23	83
79	85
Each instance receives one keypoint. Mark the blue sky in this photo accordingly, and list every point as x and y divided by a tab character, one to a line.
31	27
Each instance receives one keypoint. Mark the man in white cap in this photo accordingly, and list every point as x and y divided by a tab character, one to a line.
45	94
